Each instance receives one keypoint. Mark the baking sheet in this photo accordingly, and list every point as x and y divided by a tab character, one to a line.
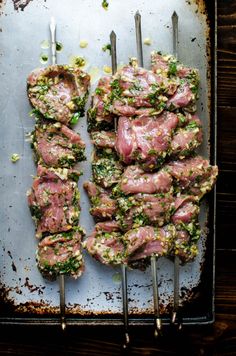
98	292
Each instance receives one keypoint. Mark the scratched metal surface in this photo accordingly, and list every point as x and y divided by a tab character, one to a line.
98	291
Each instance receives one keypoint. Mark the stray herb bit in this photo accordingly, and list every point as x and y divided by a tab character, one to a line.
74	119
107	47
105	4
172	68
15	157
79	61
83	44
43	58
59	46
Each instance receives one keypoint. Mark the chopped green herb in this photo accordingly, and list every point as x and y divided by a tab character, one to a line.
172	68
79	61
36	113
74	119
59	46
105	4
107	47
15	157
43	58
99	91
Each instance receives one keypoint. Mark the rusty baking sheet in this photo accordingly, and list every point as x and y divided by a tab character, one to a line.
95	298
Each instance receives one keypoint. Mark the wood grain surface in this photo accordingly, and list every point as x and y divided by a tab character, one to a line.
219	339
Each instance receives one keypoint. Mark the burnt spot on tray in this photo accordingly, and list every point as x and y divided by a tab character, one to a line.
20	4
14	267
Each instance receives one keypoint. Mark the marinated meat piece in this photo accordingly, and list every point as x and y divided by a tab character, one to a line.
134	180
186	78
103	206
59	92
99	116
193	175
107	226
54	200
106	245
186	209
183	98
185	242
161	63
186	139
144	209
134	87
55	145
145	139
61	254
147	241
167	65
106	171
103	139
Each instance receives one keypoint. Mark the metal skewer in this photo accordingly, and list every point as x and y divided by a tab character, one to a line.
157	322
123	266
61	277
176	260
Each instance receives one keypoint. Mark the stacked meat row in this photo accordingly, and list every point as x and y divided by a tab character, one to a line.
58	94
147	179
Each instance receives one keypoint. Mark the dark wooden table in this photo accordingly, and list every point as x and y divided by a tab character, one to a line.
219	339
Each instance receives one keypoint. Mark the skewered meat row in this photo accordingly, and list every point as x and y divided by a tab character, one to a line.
135	91
57	93
147	179
111	246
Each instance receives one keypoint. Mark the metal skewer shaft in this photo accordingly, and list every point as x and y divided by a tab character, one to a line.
157	323
61	277
123	266
62	301
176	260
53	40
138	30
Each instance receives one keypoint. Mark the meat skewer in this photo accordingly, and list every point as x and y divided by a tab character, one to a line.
176	258
61	277
123	266
158	323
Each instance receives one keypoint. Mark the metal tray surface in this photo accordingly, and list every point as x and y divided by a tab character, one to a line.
96	296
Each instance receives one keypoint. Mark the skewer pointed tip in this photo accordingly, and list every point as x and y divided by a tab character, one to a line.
174	15
126	344
63	326
175	18
137	14
112	34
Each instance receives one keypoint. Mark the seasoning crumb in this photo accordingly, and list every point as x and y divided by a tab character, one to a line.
15	157
147	41
105	4
83	44
107	69
45	44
